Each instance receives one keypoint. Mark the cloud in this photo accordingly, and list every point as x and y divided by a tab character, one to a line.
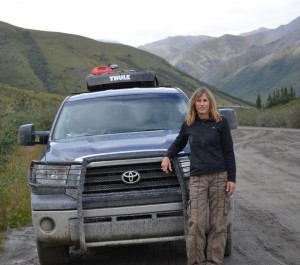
136	22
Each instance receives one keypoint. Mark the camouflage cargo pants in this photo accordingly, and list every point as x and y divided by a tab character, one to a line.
209	189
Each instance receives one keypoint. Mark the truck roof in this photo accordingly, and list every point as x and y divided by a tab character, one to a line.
125	91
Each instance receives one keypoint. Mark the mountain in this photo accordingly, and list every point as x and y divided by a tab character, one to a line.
262	29
170	47
246	65
58	63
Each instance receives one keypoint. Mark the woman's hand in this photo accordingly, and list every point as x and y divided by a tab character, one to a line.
166	165
230	187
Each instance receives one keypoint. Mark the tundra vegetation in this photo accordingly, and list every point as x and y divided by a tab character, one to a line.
283	115
18	107
282	109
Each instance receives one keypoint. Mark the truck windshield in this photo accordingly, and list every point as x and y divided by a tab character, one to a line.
120	114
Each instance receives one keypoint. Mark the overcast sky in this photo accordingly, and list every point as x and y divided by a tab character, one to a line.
138	22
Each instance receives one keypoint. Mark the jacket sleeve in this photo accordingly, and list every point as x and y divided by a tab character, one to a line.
179	143
228	151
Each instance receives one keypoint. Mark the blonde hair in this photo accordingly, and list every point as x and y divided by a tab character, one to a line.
213	111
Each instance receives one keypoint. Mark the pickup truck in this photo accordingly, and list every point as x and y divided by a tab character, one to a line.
99	181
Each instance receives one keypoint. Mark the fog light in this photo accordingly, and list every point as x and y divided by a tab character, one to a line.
47	224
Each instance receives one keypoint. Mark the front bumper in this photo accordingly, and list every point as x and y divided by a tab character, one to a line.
111	226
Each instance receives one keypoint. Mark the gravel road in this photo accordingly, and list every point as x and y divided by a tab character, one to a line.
267	211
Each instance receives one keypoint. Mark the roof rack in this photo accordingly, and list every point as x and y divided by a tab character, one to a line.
105	77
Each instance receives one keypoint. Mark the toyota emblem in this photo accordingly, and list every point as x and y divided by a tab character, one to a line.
131	177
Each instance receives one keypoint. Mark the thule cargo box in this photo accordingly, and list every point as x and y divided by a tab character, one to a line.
120	79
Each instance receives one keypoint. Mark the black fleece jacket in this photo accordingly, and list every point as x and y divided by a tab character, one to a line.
211	147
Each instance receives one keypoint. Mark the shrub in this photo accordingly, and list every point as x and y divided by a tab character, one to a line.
286	116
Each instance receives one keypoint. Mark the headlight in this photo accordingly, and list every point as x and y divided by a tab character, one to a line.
51	175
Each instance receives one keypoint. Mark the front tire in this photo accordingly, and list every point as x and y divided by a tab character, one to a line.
53	255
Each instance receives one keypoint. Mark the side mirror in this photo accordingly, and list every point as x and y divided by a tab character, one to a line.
27	135
230	116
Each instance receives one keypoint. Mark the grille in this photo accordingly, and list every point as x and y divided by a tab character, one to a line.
107	179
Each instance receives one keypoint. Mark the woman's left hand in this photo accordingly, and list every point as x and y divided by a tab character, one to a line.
230	187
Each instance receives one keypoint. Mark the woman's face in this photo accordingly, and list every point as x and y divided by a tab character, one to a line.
202	106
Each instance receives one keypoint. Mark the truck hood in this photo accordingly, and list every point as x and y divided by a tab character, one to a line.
76	149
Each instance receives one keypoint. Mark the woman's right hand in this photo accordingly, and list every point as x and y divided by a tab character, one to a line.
166	165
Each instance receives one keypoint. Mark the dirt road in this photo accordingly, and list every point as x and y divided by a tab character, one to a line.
267	211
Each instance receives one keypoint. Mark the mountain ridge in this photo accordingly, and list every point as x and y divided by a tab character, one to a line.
244	65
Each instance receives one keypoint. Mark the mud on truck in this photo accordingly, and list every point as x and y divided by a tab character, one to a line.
99	181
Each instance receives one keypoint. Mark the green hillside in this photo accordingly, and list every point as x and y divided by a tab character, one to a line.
57	62
20	106
282	71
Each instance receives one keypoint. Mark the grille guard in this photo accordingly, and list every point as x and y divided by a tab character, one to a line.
180	170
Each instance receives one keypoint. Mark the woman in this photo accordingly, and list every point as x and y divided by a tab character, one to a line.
212	177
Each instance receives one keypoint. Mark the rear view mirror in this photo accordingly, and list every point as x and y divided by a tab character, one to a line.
230	116
27	135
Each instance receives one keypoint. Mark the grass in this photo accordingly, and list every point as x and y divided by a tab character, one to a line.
14	190
284	116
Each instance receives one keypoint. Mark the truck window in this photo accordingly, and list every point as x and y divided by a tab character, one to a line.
111	115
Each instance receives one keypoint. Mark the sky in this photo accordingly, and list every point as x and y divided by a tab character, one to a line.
138	22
